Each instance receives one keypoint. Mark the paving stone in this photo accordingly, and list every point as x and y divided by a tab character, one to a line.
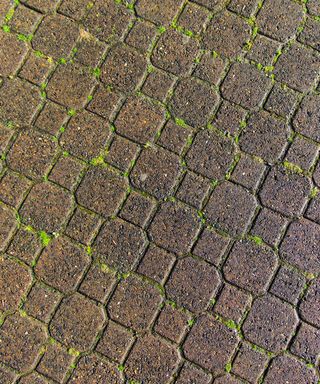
231	208
200	95
232	303
213	5
265	136
270	323
104	102
70	85
298	67
21	341
141	35
174	137
175	52
134	304
193	189
36	69
190	374
284	369
92	370
307	343
270	226
282	101
120	244
123	68
66	172
62	264
41	302
137	209
311	33
211	154
139	120
24	20
32	153
19	101
152	360
210	68
313	210
8	225
211	246
316	174
159	12
306	119
33	378
86	135
245	85
229	117
270	19
227	34
83	226
56	36
52	117
302	153
288	285
250	266
25	246
174	227
263	50
249	363
227	379
122	153
98	283
192	284
108	193
156	172
107	20
89	50
6	376
75	9
4	8
313	7
157	84
115	342
300	246
48	6
12	289
55	362
46	207
309	307
6	135
243	7
77	322
285	191
210	344
193	18
172	323
13	188
12	53
156	264
248	172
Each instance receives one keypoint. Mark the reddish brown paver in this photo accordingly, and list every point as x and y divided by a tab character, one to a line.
159	192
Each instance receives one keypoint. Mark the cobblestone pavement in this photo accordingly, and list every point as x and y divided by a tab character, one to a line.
159	178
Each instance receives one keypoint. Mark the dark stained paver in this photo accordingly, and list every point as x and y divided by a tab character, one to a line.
159	192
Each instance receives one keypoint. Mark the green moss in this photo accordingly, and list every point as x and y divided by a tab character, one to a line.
6	28
71	112
161	29
292	167
314	192
45	238
256	239
90	97
96	72
228	367
73	352
191	322
180	122
120	368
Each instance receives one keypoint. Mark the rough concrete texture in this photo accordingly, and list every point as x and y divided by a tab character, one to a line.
159	179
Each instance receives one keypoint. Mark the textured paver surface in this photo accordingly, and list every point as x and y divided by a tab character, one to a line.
159	179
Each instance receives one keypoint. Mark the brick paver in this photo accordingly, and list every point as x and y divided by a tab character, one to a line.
159	192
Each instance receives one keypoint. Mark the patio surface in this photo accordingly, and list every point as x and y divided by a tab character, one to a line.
159	179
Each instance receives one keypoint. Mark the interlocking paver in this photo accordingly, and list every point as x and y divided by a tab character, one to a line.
227	34
210	344
250	266
159	205
270	323
153	360
120	244
77	322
